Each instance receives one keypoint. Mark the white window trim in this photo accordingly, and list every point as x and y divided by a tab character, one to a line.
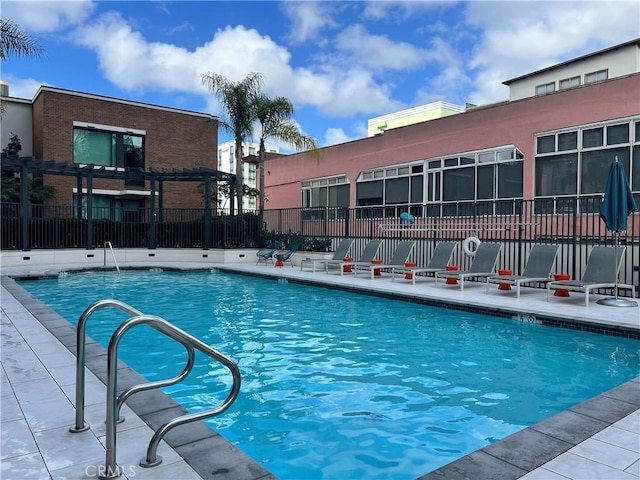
110	128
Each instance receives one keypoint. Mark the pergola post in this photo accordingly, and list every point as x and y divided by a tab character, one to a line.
90	209
24	207
152	213
207	213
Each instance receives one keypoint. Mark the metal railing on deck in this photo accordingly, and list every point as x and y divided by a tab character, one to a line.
571	222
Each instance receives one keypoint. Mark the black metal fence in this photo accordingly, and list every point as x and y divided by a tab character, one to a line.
570	222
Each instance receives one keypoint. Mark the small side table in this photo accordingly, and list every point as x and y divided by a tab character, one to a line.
450	280
279	262
505	286
376	271
409	275
561	292
347	268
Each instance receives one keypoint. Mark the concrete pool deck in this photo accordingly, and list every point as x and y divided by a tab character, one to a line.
598	439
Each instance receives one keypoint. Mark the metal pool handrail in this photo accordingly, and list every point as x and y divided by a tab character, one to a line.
114	402
108	244
80	425
152	459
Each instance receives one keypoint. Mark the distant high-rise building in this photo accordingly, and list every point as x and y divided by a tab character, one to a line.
227	163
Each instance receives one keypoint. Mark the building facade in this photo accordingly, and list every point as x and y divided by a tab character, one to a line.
545	143
227	163
69	127
378	125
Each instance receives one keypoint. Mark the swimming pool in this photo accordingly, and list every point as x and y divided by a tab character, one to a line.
338	385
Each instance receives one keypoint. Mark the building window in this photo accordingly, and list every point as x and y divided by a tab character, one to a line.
480	175
569	83
105	207
252	150
251	173
599	76
110	149
546	88
331	192
583	172
325	198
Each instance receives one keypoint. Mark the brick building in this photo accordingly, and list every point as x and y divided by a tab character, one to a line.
71	127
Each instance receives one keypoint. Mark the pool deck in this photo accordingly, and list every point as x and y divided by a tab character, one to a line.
598	439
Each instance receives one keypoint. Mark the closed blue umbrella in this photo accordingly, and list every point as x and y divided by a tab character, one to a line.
618	200
618	203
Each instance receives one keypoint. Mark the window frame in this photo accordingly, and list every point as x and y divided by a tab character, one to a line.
545	88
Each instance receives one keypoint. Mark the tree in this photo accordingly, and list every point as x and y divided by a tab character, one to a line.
275	118
237	100
14	146
16	42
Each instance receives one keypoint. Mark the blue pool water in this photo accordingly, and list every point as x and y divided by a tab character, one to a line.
338	385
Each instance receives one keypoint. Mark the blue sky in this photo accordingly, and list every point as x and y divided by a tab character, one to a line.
340	63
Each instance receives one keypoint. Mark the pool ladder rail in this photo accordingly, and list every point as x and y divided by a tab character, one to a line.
108	244
114	401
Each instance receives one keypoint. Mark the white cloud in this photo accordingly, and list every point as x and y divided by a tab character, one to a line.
308	19
522	37
378	51
399	11
450	80
23	87
134	64
334	136
47	16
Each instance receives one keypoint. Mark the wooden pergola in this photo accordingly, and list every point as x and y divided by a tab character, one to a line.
86	173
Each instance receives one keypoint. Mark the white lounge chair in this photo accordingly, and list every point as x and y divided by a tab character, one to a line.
369	253
538	269
439	260
399	257
341	252
483	265
601	272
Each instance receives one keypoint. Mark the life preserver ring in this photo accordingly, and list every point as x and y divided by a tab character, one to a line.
466	246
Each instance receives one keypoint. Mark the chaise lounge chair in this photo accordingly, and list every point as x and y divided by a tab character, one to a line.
538	268
285	255
266	253
601	272
369	253
341	252
483	265
399	257
439	260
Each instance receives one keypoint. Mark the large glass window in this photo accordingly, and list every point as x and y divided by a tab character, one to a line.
584	173
325	192
458	184
509	179
94	148
556	175
397	191
595	168
109	149
369	193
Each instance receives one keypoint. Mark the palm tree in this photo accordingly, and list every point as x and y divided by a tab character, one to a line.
237	100
16	42
274	116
